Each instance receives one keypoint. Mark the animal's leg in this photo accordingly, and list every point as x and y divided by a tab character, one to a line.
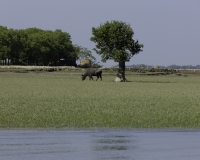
91	77
97	78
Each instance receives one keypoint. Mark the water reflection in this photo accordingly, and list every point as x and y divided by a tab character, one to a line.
114	146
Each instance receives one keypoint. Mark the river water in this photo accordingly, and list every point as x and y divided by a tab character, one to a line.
99	144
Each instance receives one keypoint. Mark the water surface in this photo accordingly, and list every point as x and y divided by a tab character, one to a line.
99	144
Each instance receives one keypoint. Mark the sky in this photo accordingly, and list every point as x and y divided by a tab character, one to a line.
168	29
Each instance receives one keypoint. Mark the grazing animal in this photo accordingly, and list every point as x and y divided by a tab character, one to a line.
92	72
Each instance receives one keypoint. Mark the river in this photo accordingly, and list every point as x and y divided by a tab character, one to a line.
99	144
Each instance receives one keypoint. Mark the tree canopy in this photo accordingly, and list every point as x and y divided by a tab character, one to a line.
34	46
83	52
114	40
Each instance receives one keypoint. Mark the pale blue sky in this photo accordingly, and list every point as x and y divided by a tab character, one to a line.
169	29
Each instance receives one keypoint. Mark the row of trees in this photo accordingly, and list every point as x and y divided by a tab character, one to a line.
34	46
183	67
169	67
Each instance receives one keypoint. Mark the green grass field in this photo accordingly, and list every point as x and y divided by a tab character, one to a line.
61	99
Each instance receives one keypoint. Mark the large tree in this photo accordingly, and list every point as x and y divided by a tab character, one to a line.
114	40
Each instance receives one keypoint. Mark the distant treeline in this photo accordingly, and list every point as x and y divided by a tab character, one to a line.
35	46
169	67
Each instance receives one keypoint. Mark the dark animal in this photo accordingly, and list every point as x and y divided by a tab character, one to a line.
92	72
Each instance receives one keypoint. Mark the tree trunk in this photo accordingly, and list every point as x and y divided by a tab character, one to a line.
121	72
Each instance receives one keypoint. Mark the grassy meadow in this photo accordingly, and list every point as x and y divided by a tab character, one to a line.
61	100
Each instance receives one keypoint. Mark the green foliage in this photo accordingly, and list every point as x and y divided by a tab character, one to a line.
34	46
95	65
82	53
114	40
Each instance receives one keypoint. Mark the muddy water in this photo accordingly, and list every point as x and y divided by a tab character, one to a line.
99	144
